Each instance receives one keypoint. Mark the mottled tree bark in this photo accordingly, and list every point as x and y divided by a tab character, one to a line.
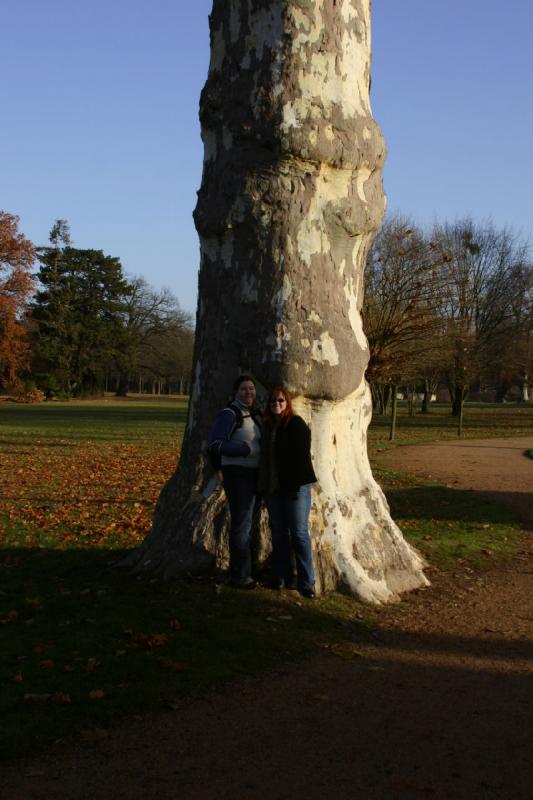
291	197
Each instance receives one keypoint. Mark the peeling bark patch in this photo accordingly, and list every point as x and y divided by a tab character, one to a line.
324	349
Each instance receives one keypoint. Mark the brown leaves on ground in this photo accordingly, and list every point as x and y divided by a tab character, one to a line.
145	641
90	494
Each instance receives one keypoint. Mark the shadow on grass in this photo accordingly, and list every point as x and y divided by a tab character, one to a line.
460	506
72	624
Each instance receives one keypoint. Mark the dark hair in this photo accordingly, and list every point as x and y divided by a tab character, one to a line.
286	415
242	379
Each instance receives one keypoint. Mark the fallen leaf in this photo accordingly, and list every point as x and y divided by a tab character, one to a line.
40	648
96	694
37	697
346	651
175	666
91	665
16	678
94	734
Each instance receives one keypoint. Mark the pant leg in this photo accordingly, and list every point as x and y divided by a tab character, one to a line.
240	486
281	554
297	513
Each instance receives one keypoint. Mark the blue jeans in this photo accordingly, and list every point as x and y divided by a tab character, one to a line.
289	522
240	486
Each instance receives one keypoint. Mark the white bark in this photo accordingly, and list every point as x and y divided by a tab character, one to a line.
350	519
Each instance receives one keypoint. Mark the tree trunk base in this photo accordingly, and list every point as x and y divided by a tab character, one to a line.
356	545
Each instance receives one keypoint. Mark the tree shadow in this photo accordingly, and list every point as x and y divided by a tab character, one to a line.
402	713
461	505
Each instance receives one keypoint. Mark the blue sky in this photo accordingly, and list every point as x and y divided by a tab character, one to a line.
100	120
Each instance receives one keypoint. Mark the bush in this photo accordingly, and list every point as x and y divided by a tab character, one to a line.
33	395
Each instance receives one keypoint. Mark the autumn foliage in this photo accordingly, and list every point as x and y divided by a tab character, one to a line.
17	255
62	494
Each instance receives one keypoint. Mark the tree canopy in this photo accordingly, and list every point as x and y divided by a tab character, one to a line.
17	255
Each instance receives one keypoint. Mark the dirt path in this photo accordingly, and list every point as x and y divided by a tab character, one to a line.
434	702
499	468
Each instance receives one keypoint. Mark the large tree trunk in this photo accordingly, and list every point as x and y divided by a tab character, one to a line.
291	197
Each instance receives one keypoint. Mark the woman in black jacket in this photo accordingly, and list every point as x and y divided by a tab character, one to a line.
285	477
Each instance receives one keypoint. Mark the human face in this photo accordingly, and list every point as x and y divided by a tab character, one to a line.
246	393
277	404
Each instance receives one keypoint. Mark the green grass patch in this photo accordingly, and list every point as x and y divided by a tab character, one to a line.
449	525
112	420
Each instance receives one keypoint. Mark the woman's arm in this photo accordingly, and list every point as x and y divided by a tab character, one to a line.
221	433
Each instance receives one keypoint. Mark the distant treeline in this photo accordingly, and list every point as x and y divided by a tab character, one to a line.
449	310
79	326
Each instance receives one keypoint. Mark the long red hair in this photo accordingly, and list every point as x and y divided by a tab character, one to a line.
287	413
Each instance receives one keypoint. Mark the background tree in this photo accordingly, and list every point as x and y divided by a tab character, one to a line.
167	359
479	297
79	311
291	198
17	255
404	281
156	333
510	360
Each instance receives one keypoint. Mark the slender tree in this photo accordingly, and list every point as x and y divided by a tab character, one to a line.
17	255
290	200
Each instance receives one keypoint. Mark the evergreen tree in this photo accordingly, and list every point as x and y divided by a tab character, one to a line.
79	312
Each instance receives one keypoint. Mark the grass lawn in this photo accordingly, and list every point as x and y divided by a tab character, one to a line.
83	643
481	421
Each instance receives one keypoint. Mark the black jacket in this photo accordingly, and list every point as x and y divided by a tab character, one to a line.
293	455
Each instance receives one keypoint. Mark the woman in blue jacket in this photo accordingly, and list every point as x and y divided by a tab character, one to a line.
236	439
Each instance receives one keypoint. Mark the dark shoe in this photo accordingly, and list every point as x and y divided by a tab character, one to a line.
276	584
309	593
246	583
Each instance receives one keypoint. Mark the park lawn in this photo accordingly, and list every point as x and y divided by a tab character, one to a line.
83	643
